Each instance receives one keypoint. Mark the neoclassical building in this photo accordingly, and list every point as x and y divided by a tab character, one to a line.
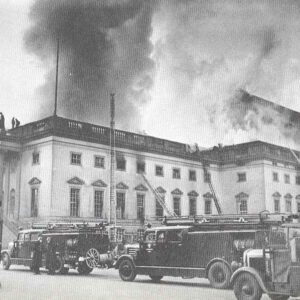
58	169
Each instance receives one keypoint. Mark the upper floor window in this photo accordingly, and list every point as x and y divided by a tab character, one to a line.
286	178
140	167
275	176
192	175
35	158
207	177
99	161
241	177
159	171
75	158
121	164
176	173
298	179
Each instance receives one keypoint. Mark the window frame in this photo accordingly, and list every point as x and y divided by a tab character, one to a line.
207	201
191	177
174	171
76	203
101	166
141	163
287	178
158	206
192	198
242	177
140	209
34	156
275	177
297	179
123	160
71	158
177	210
100	204
34	204
162	170
122	206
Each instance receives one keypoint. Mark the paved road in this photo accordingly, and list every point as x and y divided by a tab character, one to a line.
19	283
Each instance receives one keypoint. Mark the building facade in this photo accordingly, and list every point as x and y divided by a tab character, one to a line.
58	169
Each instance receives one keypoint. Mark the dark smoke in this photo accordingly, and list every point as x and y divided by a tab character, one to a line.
104	48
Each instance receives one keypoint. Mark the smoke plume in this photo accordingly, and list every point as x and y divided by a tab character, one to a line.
104	48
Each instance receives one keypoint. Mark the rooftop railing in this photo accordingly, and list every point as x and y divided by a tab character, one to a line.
68	128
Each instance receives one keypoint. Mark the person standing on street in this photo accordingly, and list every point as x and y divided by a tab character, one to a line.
51	256
37	256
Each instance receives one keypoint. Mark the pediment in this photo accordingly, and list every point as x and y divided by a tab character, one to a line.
193	194
141	188
99	183
288	196
208	195
122	186
34	181
276	194
241	195
160	190
177	192
75	180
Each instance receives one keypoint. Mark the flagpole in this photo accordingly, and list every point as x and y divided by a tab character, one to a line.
56	77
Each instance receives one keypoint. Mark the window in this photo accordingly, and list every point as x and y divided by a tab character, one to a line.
207	177
176	206
159	211
35	158
242	206
298	179
241	177
176	173
242	203
275	176
140	200
120	205
288	205
99	161
159	171
192	175
98	203
207	206
276	205
76	159
286	178
140	167
121	164
74	202
34	202
274	163
298	207
193	206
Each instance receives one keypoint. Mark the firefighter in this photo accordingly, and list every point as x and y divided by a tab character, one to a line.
51	256
37	256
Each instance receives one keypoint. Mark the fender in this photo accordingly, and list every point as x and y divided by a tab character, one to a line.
215	260
121	258
5	251
251	271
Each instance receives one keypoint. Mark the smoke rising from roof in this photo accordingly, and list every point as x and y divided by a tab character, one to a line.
180	61
104	48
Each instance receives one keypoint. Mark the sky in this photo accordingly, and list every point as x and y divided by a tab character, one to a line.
174	65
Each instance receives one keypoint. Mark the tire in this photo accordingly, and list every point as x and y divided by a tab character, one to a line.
59	265
83	269
246	287
155	278
278	297
127	270
5	261
219	275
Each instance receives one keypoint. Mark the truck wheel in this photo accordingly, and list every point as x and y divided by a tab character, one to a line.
84	269
59	266
219	275
246	287
155	278
126	270
5	261
278	297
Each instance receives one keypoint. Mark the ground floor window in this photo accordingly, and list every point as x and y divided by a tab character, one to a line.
74	202
207	206
298	207
288	205
176	206
120	205
140	202
159	211
193	206
98	204
242	203
34	202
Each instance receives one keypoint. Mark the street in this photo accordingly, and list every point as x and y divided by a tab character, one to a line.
19	283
